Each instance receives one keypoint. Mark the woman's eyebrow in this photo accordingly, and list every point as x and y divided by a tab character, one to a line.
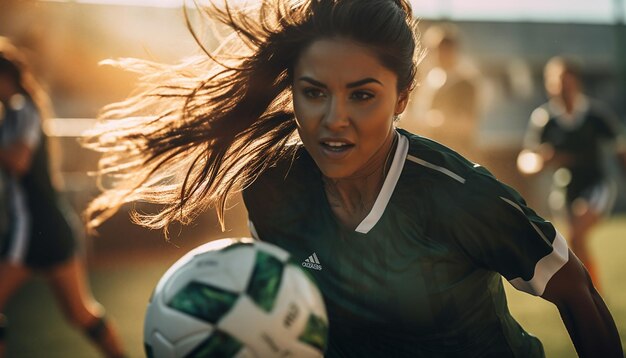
363	82
312	81
349	85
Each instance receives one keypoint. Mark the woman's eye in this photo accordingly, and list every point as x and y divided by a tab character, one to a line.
362	96
313	93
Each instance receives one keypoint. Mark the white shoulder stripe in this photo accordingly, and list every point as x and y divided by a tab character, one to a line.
437	168
545	268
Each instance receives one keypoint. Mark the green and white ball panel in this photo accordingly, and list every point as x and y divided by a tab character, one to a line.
228	270
265	280
307	290
204	302
179	325
315	331
236	298
286	328
213	246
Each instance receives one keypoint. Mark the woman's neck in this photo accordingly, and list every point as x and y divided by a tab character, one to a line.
352	198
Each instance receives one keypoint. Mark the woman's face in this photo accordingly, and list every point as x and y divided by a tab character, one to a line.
345	101
563	84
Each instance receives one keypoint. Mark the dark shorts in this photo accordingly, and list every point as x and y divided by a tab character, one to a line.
38	237
598	196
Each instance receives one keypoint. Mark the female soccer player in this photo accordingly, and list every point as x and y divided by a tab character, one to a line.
409	239
568	133
39	238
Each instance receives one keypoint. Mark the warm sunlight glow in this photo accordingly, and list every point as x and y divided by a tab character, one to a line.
529	162
577	11
151	3
146	3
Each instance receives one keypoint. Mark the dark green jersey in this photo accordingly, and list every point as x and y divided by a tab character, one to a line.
420	276
579	135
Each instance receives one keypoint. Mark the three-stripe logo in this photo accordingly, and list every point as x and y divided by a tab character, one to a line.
312	262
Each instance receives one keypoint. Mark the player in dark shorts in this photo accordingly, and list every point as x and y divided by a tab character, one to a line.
568	133
38	237
407	239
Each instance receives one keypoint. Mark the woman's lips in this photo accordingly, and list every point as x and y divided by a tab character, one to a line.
336	149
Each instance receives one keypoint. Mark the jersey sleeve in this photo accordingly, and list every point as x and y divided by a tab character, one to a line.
280	194
263	199
28	126
610	126
498	231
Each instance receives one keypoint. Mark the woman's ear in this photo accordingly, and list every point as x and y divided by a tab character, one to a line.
403	100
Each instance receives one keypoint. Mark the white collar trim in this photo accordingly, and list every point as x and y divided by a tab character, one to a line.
388	187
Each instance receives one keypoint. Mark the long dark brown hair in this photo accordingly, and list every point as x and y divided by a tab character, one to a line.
14	63
197	132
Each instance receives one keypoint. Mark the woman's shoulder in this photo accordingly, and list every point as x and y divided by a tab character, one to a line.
431	157
293	172
602	111
284	191
449	176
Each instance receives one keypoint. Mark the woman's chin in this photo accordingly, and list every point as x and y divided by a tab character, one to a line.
335	171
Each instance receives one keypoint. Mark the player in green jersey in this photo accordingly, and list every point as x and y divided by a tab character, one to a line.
407	239
567	133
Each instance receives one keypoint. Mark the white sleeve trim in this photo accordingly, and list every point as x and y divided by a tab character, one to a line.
545	268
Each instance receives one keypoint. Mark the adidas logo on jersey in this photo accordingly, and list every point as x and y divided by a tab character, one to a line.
312	262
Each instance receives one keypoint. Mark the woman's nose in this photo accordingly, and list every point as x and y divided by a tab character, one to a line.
336	115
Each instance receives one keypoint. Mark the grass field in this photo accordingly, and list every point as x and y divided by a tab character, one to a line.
38	330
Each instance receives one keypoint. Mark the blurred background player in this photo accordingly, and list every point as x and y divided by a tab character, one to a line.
567	134
39	237
446	106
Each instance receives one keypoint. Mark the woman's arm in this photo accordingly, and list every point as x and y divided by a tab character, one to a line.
586	317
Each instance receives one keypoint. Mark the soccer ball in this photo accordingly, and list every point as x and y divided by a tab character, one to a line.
235	298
